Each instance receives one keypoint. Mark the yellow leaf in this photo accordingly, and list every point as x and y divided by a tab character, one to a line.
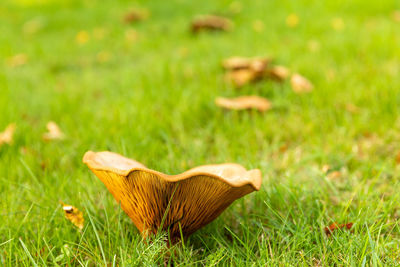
396	15
300	84
258	25
244	102
292	20
337	24
73	215
82	37
6	137
54	132
17	60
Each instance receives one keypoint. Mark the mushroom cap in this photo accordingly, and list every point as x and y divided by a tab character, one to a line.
183	202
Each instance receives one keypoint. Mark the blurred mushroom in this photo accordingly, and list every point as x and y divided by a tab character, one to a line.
211	22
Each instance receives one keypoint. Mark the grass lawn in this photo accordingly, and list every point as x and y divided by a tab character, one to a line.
146	90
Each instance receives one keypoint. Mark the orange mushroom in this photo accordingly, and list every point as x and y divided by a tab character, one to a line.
174	203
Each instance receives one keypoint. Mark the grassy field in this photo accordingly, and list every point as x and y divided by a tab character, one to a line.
147	90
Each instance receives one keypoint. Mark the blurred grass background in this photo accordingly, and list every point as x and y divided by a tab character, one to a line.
147	89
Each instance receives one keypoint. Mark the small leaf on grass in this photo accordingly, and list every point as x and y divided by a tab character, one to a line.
334	226
292	20
6	137
300	84
54	132
73	215
82	37
136	15
352	108
398	158
337	24
211	22
244	102
17	60
334	175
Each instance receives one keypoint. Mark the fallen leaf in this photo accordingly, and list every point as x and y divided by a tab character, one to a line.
103	56
211	22
258	25
300	84
54	132
325	168
17	60
313	45
99	33
131	35
398	158
396	15
73	215
82	37
244	102
32	26
6	137
337	24
352	108
279	73
334	175
292	20
334	226
136	15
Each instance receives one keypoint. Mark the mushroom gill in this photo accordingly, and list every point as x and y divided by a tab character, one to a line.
185	202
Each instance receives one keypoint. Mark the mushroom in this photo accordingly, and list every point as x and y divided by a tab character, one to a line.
178	204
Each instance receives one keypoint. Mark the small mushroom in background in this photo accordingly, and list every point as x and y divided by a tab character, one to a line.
211	23
135	15
244	102
242	70
178	204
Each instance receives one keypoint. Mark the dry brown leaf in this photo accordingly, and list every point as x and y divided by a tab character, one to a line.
334	175
300	84
6	137
398	158
279	73
244	102
136	15
211	22
292	20
396	15
73	215
334	226
54	132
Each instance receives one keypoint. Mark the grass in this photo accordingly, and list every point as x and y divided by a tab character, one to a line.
147	91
